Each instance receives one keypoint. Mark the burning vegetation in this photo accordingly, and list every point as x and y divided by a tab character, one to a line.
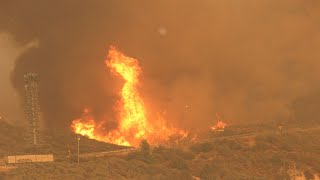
220	126
133	124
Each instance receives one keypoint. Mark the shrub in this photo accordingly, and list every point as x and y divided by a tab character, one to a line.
202	147
178	163
308	174
276	159
159	149
210	171
140	156
260	144
145	148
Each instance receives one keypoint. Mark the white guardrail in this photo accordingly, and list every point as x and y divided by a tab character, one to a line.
30	158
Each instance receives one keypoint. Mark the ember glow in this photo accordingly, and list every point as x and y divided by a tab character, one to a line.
219	126
133	124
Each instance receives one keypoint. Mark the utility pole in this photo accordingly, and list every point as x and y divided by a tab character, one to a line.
284	165
78	149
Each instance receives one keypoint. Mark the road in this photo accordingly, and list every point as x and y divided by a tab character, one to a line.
124	152
121	152
263	133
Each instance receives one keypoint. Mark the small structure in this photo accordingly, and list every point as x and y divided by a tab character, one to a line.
30	159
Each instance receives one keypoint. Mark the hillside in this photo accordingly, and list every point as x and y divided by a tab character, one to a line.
59	143
270	155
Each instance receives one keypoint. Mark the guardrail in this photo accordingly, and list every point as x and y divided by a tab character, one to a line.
18	159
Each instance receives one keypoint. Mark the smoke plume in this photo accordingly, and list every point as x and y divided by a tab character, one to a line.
10	107
249	61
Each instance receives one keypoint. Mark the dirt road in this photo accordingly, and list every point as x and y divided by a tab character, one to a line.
121	152
124	152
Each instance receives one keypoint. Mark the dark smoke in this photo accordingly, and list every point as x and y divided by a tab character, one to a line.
11	109
250	61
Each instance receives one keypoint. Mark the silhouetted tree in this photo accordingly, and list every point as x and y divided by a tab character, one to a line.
308	174
145	147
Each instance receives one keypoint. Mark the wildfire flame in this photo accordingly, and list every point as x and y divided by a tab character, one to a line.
133	123
133	116
220	124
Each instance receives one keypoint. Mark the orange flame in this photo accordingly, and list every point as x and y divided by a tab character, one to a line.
219	126
133	123
133	116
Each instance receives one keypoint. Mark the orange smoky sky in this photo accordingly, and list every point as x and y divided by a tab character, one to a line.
248	60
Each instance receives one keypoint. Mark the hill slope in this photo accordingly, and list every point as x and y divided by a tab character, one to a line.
12	142
269	155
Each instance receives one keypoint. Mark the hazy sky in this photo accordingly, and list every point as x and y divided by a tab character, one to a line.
249	60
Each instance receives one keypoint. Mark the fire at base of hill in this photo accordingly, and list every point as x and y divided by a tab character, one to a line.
133	124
